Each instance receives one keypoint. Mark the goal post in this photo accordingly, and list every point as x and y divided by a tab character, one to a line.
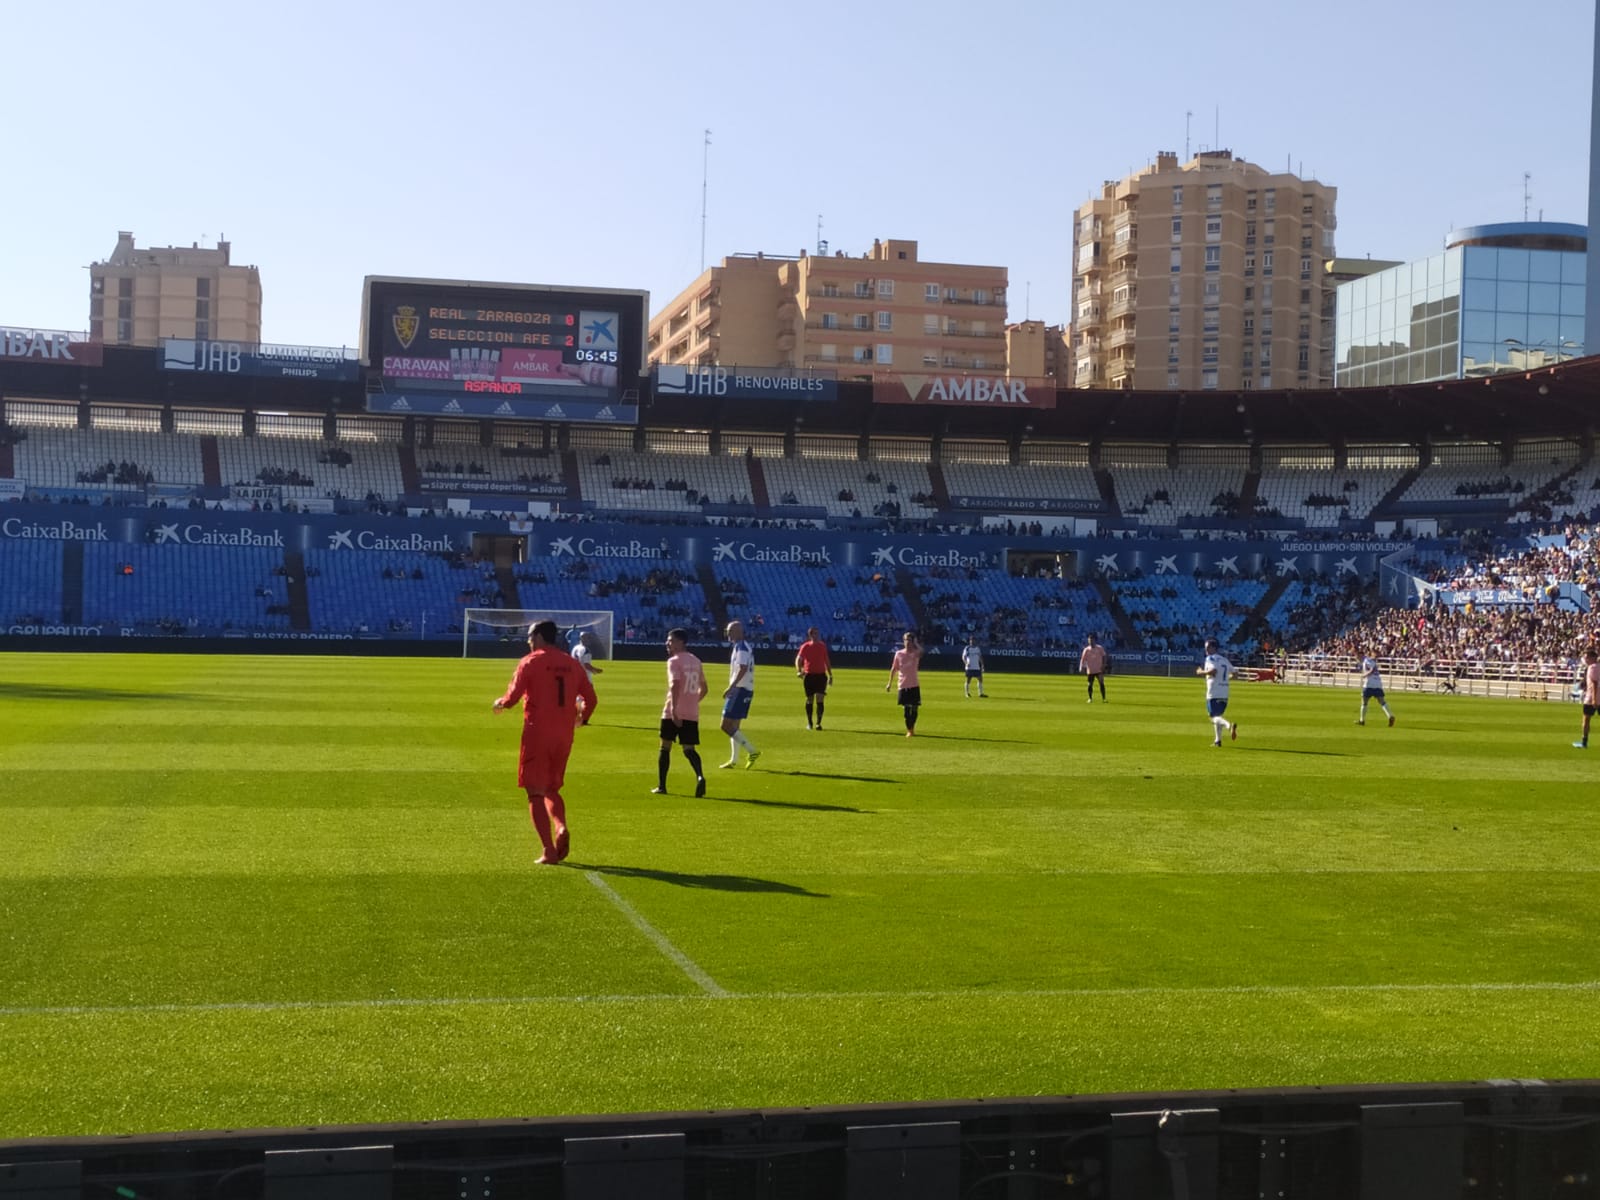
503	632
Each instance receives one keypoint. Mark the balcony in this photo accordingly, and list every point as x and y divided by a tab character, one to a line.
1122	335
967	333
1088	318
1122	308
1122	278
1123	251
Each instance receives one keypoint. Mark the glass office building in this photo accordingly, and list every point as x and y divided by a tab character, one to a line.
1501	298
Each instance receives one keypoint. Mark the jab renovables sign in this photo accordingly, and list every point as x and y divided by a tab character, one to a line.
965	390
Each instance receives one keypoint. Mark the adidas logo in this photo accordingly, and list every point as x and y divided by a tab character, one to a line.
605	414
555	413
453	406
505	409
399	405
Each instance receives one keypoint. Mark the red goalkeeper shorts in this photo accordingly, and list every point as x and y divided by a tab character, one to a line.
542	765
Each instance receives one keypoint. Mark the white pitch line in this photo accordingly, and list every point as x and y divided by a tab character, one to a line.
660	940
1114	993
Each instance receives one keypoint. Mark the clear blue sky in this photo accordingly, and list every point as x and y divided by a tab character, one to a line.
561	142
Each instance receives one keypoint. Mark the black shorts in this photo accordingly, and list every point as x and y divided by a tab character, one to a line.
974	672
686	734
910	696
816	685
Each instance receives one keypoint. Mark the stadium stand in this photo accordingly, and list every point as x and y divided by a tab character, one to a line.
30	582
618	480
176	589
310	468
1177	613
851	487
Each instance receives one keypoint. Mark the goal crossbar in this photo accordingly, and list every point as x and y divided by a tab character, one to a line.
489	631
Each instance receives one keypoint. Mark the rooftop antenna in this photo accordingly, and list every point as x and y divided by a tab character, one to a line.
1216	128
1188	116
1527	195
1027	301
705	164
822	246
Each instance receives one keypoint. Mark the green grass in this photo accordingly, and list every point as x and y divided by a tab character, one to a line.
241	891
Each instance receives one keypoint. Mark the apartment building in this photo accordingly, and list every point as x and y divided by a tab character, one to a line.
139	296
1204	274
1035	350
885	310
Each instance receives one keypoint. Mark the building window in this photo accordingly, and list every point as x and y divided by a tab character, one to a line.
1247	361
202	286
1213	197
930	360
1172	352
862	321
1213	229
1250	202
1246	381
930	325
1305	358
125	310
863	290
1266	354
886	289
1173	318
885	352
1305	295
1266	379
980	363
979	328
1177	260
125	288
950	325
951	295
1272	199
1249	293
1249	265
980	296
202	330
124	331
1172	379
831	290
1266	262
1208	352
1270	232
1266	294
886	322
202	309
861	354
830	320
1208	379
1211	319
1177	197
1213	258
1249	327
1177	228
930	293
1174	291
1213	289
828	351
1305	267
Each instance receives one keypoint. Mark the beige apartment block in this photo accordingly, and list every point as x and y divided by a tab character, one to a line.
1204	274
1035	350
139	296
886	311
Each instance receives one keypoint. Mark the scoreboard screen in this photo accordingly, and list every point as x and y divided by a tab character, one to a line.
507	350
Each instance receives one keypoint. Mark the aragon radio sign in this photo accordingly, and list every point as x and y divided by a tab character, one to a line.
54	346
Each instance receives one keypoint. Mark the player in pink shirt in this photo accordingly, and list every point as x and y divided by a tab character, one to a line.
1591	692
1092	662
680	716
907	661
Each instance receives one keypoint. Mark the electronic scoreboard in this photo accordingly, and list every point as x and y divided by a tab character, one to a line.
514	351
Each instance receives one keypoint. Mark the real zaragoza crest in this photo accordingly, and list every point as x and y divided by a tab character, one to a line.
406	325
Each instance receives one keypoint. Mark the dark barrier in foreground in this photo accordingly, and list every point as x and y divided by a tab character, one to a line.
1507	1139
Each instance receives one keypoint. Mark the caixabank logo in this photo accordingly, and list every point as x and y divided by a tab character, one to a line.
59	531
366	539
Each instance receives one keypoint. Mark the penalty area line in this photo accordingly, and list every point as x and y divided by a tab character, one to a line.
658	939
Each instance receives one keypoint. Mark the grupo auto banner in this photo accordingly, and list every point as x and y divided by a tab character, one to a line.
265	360
57	346
966	390
721	548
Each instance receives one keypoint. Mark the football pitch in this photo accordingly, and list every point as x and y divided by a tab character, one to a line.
267	891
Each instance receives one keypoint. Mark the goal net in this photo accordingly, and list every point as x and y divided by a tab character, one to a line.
503	632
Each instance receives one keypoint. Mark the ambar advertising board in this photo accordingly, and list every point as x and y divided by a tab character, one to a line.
998	392
56	346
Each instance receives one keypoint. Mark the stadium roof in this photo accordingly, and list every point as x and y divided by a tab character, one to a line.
1562	400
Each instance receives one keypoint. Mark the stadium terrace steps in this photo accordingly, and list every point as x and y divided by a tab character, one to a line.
907	583
1258	614
1131	637
72	583
570	475
1108	491
1392	496
410	477
210	462
758	483
507	579
1248	490
941	489
8	462
294	566
714	598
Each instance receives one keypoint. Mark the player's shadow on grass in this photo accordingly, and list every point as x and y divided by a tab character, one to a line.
1286	750
842	808
719	883
944	737
830	775
56	691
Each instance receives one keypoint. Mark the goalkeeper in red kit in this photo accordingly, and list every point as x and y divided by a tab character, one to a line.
550	683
